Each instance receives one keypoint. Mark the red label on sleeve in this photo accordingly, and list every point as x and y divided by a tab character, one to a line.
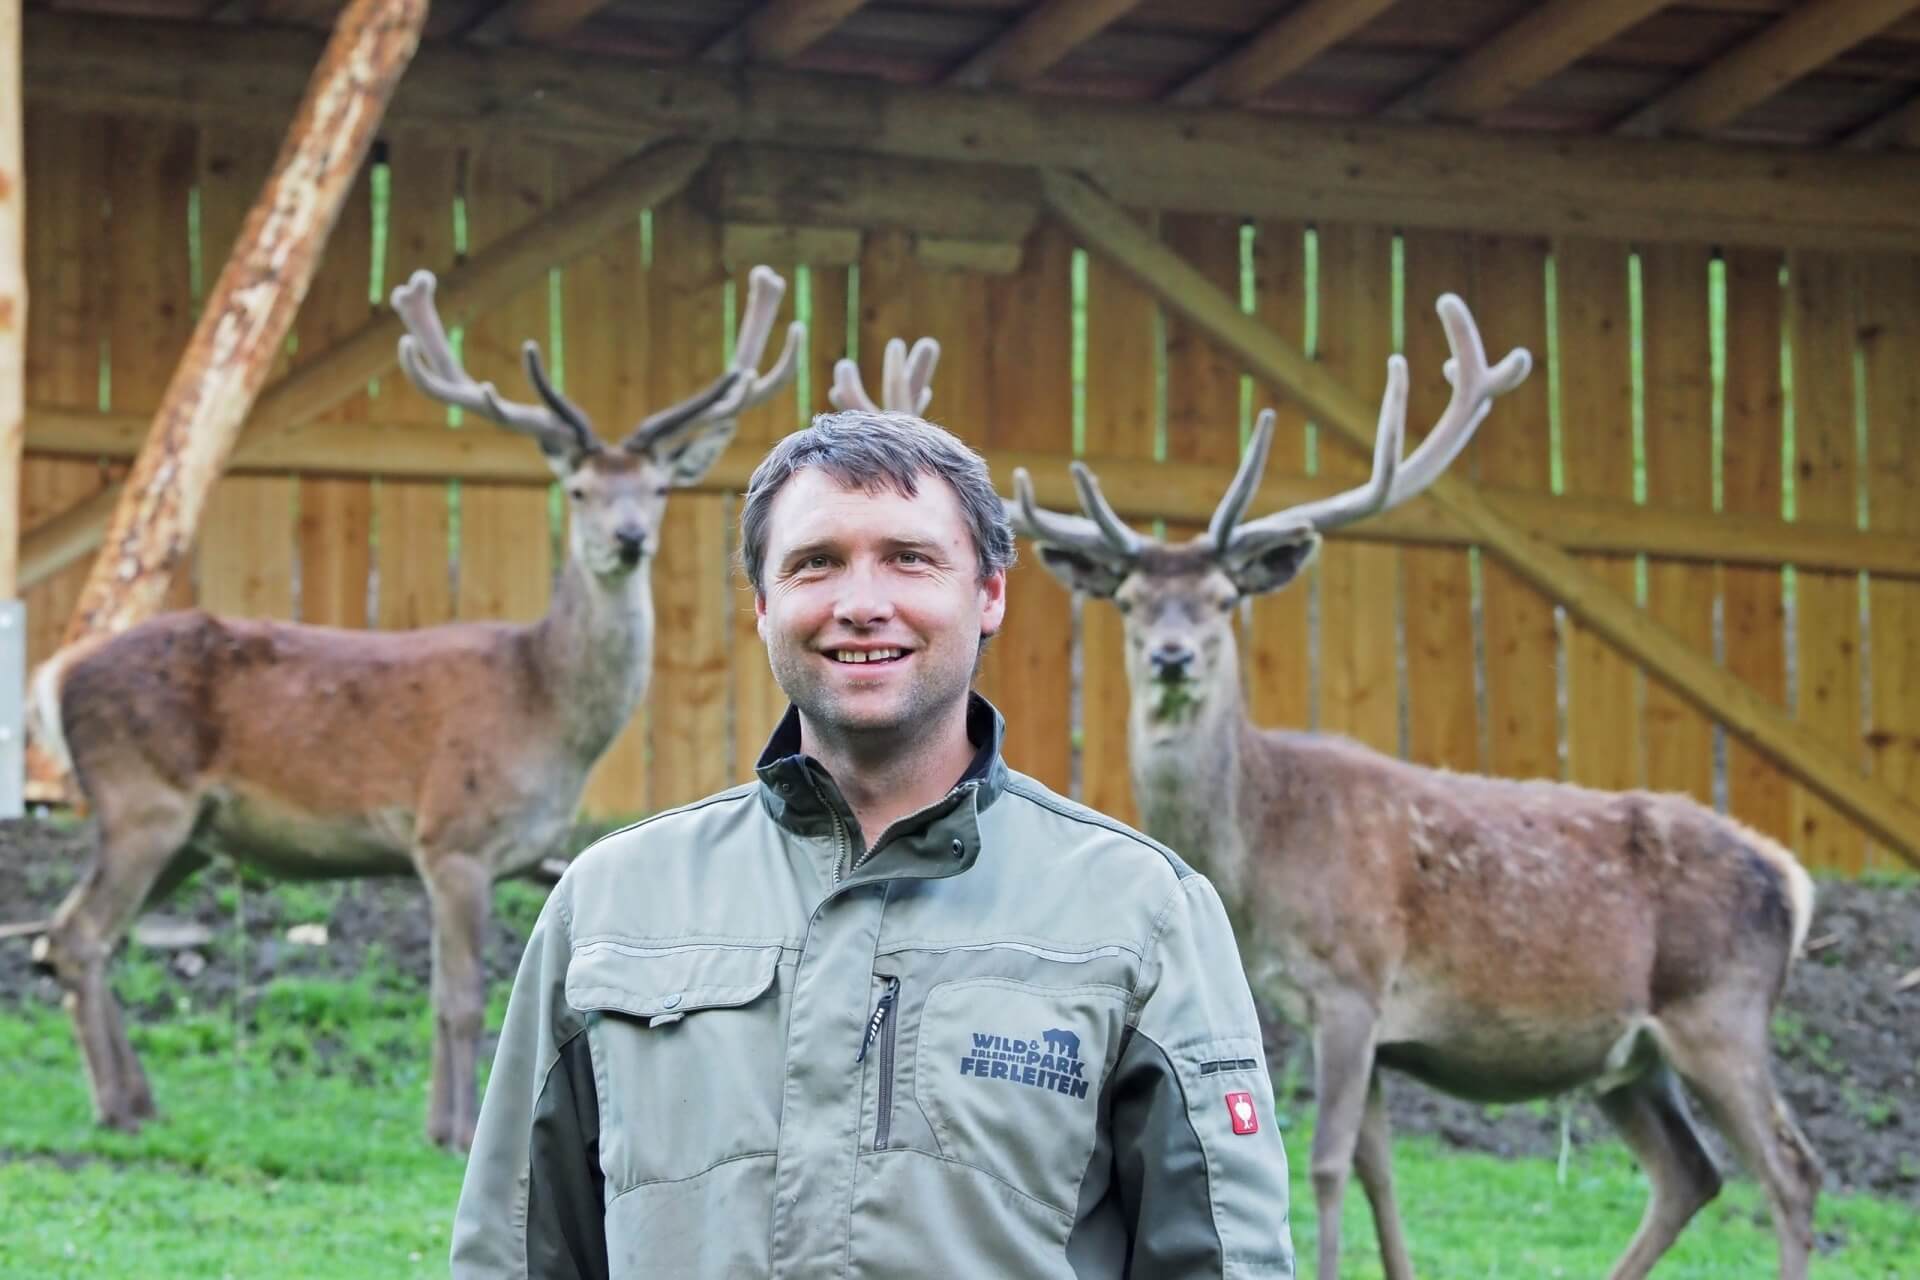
1240	1110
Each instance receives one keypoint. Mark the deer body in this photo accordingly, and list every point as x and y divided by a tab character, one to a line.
456	752
1497	939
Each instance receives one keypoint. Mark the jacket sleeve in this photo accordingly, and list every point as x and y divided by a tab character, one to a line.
1200	1169
532	1201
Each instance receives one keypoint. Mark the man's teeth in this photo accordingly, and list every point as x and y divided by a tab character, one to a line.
866	655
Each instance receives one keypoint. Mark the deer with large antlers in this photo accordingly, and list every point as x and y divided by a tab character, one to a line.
1496	939
456	752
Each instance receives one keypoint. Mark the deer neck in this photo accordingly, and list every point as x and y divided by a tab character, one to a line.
1186	772
595	649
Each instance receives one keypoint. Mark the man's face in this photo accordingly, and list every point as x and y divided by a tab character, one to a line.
873	608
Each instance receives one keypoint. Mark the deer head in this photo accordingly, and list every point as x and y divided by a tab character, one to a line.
616	494
1179	600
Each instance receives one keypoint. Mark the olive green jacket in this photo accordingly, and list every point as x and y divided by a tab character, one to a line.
1012	1039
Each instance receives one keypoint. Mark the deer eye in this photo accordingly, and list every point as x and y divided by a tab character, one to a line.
577	492
1227	603
1124	606
661	490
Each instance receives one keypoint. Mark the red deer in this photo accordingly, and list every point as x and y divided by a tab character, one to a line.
455	752
1496	939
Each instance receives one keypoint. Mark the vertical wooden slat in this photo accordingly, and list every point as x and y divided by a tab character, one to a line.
1203	381
336	513
414	554
1437	585
1678	380
1359	582
1757	791
1596	415
150	277
1028	350
506	549
244	555
1513	449
67	165
1275	630
603	327
1121	415
687	709
1888	289
1827	606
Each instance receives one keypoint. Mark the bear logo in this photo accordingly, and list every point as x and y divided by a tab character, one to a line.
1063	1042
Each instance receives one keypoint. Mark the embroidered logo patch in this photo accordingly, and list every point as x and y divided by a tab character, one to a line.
1240	1111
1050	1062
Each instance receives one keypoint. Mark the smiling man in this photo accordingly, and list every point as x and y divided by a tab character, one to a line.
892	1009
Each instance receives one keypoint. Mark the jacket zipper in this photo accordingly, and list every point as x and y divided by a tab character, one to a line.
839	829
883	1019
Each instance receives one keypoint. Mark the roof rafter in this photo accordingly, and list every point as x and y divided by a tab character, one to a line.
1899	127
1547	40
1803	39
1278	50
540	20
780	30
1042	36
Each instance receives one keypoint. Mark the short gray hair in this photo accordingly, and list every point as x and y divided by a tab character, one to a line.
865	450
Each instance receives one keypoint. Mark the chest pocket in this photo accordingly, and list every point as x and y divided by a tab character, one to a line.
1009	1074
687	1054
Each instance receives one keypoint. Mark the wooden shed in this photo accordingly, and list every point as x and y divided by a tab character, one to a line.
1685	555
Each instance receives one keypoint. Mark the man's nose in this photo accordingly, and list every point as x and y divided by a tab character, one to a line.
862	602
1170	660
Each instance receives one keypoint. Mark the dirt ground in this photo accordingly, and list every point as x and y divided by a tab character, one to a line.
1848	1044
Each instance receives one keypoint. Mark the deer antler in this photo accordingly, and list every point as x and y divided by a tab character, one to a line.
740	388
906	380
427	358
1105	536
1394	480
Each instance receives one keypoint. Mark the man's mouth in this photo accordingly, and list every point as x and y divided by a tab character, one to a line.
866	657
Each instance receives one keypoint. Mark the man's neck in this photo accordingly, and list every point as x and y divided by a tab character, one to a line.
885	777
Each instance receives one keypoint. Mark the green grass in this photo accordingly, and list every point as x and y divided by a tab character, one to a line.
296	1151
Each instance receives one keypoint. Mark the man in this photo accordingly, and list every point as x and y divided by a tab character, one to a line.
892	1009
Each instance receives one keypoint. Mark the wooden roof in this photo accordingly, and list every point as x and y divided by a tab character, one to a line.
1804	73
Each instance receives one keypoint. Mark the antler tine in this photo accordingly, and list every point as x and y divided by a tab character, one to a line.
1087	485
738	388
563	408
849	392
1475	386
906	380
1246	481
1072	533
427	359
921	362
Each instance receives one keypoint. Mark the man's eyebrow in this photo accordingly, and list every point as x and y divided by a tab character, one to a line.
802	550
911	543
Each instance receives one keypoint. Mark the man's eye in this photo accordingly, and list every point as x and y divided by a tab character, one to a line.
912	557
815	562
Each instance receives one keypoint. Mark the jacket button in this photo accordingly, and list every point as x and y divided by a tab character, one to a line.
671	1002
959	849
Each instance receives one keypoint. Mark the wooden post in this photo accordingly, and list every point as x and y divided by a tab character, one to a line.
13	338
247	315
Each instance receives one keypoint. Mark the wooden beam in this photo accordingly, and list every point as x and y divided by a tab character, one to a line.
1277	50
1109	230
1804	38
1213	160
1184	493
822	188
780	30
1899	127
544	20
1544	41
247	316
1041	37
13	326
487	279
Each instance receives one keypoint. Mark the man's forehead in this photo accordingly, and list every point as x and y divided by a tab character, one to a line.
814	496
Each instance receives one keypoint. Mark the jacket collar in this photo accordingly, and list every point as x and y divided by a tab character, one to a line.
940	840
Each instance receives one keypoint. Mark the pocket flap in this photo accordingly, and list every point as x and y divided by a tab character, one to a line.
662	984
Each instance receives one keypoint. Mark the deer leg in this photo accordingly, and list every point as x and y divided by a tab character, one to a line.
1728	1066
1651	1115
134	853
461	892
1342	1069
133	1076
1373	1161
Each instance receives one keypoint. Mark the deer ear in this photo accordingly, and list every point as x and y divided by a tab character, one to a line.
1082	572
691	458
1269	565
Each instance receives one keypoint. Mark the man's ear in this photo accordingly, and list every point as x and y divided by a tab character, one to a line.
1097	577
1271	564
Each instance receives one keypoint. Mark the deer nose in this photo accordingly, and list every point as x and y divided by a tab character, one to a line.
1170	661
632	541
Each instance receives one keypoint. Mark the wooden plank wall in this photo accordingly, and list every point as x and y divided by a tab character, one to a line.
1435	652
